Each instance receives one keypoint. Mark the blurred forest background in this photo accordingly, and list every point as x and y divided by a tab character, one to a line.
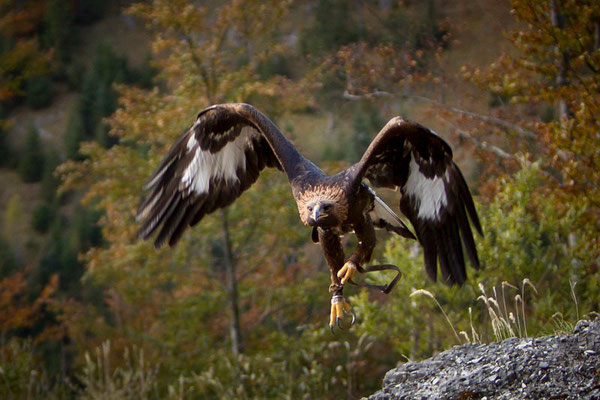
93	93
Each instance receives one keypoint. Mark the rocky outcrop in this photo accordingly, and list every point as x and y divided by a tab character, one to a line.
552	367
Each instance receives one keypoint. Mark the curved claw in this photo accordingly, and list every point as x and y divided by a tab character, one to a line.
347	271
353	316
339	308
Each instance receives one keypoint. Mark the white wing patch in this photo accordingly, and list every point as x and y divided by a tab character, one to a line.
192	142
207	166
429	194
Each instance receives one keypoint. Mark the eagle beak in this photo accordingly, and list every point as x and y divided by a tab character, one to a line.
317	213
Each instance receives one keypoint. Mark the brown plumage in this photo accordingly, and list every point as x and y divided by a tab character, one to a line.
222	153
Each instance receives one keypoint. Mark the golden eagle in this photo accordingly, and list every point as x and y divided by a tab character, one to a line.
222	153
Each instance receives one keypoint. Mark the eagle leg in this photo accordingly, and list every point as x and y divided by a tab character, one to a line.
365	233
347	271
334	255
340	308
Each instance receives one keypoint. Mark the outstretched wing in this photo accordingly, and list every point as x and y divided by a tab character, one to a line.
208	167
435	196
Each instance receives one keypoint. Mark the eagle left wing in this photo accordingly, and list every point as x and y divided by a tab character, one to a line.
435	196
209	166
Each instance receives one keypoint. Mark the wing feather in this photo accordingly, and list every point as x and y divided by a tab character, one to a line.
192	209
435	196
210	165
385	218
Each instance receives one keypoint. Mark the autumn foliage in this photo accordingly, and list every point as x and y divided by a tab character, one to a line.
238	309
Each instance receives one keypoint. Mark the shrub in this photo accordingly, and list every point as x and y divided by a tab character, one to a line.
530	249
101	379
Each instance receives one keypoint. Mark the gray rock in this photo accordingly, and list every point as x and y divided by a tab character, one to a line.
552	367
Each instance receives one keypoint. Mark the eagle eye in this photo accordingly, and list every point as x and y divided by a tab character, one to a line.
327	207
310	208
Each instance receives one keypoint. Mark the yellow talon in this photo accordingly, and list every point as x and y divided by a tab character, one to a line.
347	271
332	316
339	308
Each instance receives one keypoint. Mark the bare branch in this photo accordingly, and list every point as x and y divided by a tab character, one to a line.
484	145
377	93
486	118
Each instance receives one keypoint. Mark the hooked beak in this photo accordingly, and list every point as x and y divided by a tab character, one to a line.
318	213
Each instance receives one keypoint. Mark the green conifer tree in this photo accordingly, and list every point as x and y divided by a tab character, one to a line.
6	150
58	29
31	163
75	130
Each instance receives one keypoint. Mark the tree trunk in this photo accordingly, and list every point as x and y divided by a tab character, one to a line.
563	59
596	35
232	291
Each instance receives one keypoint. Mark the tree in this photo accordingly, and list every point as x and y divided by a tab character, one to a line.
12	228
47	209
204	55
58	29
8	260
7	156
540	216
331	28
530	262
75	132
31	163
15	310
557	66
38	91
20	55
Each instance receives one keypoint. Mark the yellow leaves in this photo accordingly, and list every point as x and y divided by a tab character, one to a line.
210	53
203	55
15	310
555	68
24	60
385	67
20	19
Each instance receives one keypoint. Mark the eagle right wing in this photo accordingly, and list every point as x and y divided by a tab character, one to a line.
209	166
435	197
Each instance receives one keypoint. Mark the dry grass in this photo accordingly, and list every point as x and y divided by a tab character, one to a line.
505	307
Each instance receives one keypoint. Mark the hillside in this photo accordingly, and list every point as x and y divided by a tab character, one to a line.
129	39
93	97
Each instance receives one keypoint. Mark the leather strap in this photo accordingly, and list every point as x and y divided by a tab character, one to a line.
374	268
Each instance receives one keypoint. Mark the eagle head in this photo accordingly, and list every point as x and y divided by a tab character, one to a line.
324	208
322	213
